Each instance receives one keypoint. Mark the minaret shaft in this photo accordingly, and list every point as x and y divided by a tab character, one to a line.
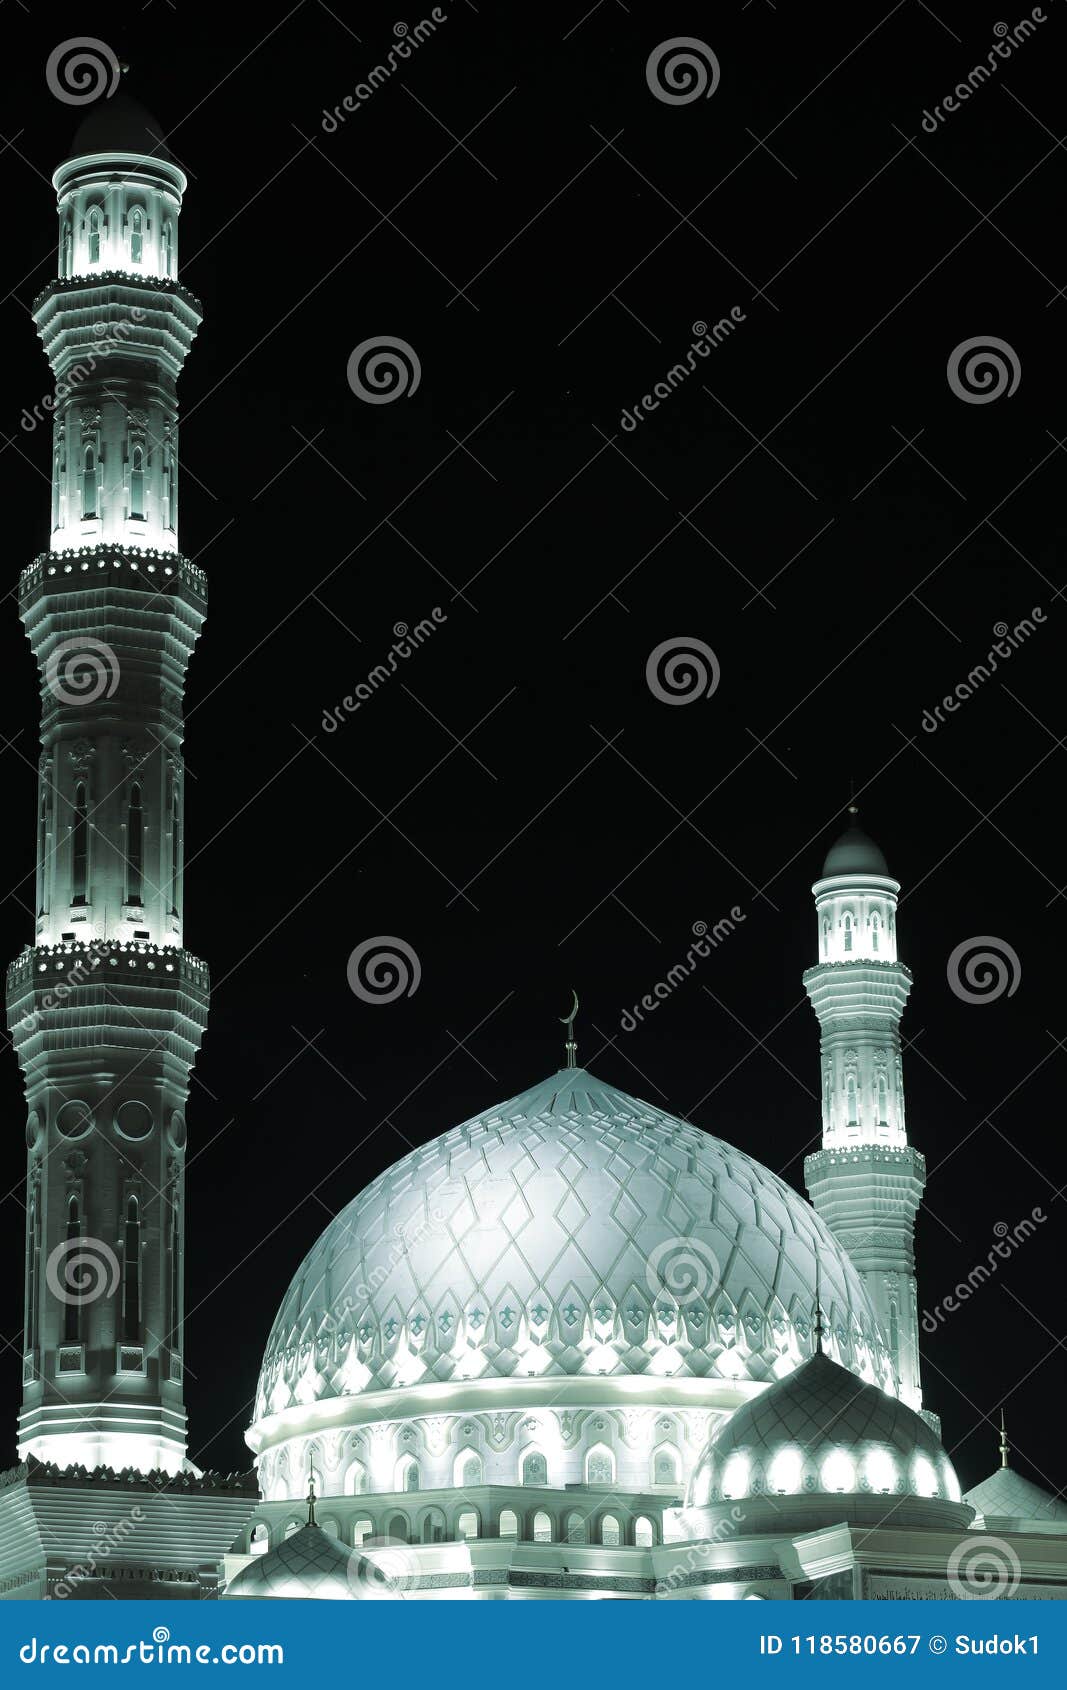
106	1008
867	1182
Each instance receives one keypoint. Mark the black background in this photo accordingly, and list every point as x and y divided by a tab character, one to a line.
588	824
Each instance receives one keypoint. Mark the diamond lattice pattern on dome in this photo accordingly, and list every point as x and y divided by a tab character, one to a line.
571	1230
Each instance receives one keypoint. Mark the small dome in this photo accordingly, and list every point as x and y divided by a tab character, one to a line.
1007	1497
311	1563
823	1443
120	125
854	853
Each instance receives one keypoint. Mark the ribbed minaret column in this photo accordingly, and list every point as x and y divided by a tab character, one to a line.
106	1008
866	1182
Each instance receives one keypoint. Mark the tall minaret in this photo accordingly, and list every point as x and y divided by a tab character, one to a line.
106	1008
866	1181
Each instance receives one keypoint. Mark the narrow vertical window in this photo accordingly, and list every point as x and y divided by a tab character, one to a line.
166	498
134	846
79	848
33	1267
93	224
848	932
71	1308
175	851
136	235
42	857
875	924
55	489
89	480
883	1101
175	1311
131	1287
853	1117
65	249
137	481
167	246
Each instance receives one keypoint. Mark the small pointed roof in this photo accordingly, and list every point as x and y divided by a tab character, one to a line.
855	852
1006	1495
311	1563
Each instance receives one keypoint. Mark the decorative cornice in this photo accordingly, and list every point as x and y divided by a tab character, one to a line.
121	278
156	1483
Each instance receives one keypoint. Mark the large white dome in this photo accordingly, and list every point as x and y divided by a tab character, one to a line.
570	1231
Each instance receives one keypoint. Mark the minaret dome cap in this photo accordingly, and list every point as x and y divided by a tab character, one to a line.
123	126
854	853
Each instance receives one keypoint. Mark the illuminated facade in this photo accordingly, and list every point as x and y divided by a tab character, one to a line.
106	1007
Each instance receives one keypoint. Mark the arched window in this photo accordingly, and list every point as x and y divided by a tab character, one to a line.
361	1531
883	1101
355	1479
90	483
542	1528
167	247
56	474
79	847
600	1466
406	1476
644	1535
826	936
665	1466
610	1534
94	224
433	1526
291	1526
65	249
329	1525
851	1100
467	1524
166	497
575	1528
509	1523
134	845
72	1309
848	932
258	1539
131	1260
875	929
398	1528
467	1469
137	482
534	1468
136	235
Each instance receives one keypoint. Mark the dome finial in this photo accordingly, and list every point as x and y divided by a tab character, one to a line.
571	1046
311	1493
1004	1444
818	1328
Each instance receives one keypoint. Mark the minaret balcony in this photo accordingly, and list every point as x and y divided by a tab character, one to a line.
133	568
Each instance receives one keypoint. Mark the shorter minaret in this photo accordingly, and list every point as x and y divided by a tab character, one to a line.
866	1181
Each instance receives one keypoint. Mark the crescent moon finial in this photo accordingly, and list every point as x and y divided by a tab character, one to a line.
571	1047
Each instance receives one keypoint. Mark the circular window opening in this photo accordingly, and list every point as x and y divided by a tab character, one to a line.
133	1119
75	1119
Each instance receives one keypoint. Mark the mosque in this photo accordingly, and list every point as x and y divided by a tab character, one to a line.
574	1347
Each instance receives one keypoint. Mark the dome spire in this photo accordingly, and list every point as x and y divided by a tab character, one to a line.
571	1046
818	1328
1004	1444
311	1494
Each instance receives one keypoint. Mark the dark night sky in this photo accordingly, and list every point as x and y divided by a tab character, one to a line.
817	505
